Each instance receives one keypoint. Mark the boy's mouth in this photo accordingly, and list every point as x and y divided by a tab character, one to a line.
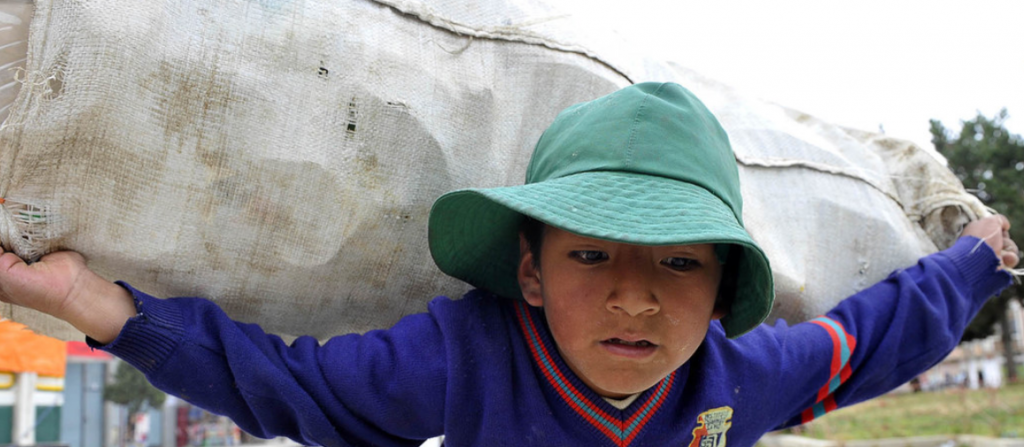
638	343
638	349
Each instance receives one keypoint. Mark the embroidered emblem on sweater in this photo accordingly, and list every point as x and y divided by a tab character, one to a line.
842	348
620	430
711	427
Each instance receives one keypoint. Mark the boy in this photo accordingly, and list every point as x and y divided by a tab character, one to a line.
637	278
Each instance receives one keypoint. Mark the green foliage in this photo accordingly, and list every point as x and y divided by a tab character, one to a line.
989	160
130	388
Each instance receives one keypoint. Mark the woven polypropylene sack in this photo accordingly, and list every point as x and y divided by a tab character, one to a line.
280	157
835	209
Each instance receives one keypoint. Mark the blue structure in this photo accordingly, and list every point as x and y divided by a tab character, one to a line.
83	421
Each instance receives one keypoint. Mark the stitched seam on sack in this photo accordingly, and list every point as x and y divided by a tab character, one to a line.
764	163
461	29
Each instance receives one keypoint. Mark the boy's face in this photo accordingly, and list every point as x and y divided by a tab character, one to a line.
623	316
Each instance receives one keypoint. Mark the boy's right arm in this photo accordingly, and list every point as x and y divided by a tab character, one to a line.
61	285
386	387
381	388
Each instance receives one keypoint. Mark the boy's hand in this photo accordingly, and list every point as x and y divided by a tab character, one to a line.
45	285
61	285
995	231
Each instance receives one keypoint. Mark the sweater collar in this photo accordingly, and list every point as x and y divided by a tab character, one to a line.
621	426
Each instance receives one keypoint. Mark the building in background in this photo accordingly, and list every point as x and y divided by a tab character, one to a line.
1017	324
31	386
84	416
978	363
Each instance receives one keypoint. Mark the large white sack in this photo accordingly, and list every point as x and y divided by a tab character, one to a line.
835	209
15	16
280	156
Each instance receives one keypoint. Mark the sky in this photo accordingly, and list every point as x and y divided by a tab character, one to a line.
869	64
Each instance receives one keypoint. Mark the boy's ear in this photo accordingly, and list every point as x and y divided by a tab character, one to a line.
722	305
719	312
727	284
529	275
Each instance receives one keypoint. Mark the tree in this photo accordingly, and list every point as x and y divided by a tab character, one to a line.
989	161
131	389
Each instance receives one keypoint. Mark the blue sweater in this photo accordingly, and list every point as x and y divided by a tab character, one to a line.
484	370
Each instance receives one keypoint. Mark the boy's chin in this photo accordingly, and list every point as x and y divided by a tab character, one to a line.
618	378
619	389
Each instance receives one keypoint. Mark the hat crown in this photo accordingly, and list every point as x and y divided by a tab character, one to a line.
658	129
647	165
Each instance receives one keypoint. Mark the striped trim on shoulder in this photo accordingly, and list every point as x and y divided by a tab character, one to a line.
843	345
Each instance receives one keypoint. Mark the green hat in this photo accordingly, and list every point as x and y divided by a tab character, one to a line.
646	165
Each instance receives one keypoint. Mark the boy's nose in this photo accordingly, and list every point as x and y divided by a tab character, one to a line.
631	293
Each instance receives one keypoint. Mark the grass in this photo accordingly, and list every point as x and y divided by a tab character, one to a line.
1020	372
997	413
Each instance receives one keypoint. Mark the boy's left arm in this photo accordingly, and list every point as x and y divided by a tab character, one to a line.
889	333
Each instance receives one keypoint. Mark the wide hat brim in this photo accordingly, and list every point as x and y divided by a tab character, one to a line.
474	233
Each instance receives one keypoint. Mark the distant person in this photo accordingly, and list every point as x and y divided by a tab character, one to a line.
991	372
915	384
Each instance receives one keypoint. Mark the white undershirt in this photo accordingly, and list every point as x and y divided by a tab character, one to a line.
621	403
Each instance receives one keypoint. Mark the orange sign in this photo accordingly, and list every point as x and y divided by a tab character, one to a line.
22	350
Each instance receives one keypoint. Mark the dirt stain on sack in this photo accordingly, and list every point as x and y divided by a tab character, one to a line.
368	162
275	213
97	165
190	101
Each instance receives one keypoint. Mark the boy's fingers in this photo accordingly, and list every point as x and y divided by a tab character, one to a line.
1011	253
989	229
8	261
998	237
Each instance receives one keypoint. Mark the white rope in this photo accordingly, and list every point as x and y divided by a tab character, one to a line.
1016	273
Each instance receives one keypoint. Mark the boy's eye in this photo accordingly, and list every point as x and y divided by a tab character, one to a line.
589	256
681	264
